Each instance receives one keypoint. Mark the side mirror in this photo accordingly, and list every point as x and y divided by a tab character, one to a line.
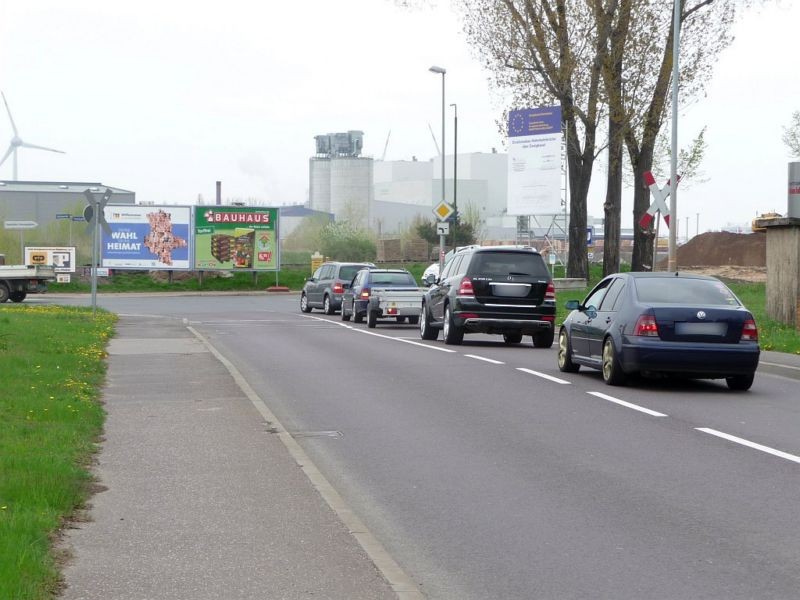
430	279
310	279
572	305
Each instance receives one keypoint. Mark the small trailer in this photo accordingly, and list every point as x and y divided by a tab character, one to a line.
17	281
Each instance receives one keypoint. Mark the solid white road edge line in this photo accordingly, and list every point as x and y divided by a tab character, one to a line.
771	364
401	584
544	376
489	360
743	442
628	404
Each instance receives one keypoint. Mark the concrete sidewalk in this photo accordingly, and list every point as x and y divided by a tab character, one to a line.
204	500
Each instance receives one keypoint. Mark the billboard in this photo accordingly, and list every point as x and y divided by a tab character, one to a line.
62	259
236	238
147	237
534	161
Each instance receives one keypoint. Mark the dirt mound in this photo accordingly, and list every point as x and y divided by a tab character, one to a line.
717	248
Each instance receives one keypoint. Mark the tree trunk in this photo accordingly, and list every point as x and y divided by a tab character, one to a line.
580	176
612	209
642	238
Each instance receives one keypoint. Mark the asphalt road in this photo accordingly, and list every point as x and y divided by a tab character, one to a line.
487	473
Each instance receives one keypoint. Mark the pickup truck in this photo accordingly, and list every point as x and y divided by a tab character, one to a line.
17	281
382	294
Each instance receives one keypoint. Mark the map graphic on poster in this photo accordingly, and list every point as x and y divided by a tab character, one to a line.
147	237
534	161
236	238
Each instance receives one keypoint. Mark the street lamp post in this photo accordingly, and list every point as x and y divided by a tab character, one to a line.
442	71
455	172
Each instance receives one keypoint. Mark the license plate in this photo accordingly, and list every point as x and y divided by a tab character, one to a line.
701	328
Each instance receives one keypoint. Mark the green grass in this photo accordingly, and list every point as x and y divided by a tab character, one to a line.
52	364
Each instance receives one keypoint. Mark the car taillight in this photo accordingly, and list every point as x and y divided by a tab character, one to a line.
465	288
338	288
550	294
646	325
364	293
750	331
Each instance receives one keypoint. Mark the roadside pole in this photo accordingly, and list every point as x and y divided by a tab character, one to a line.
94	214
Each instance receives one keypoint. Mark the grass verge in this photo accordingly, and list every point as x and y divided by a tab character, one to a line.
52	365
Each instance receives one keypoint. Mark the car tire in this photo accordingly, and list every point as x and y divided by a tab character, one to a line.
345	314
327	306
740	383
512	338
453	334
543	339
304	303
357	316
426	330
565	363
17	296
413	320
372	319
612	370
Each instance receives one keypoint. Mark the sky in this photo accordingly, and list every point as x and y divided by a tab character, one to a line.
165	98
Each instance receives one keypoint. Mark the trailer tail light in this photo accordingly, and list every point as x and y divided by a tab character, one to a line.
364	295
465	287
646	326
550	294
338	288
750	331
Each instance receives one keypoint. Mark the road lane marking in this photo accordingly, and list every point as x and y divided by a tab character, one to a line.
652	413
544	376
399	581
489	360
743	442
421	345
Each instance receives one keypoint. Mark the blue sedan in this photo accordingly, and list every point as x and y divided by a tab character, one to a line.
661	324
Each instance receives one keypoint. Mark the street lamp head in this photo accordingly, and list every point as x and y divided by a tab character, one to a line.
435	69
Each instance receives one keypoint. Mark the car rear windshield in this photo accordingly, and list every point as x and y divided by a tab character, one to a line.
349	271
503	264
675	290
392	279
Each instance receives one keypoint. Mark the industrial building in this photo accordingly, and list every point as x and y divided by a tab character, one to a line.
387	196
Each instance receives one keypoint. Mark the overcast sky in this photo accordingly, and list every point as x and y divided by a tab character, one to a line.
164	98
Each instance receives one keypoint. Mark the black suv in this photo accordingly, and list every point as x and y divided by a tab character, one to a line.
504	290
325	287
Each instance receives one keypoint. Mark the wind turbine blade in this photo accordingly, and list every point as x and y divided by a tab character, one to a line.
7	154
27	145
10	118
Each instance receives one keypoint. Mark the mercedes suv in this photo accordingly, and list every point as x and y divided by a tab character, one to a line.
497	290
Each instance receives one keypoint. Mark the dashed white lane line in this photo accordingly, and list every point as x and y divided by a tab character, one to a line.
652	413
489	360
749	444
544	376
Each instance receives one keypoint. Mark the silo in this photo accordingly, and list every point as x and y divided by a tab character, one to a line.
351	189
319	189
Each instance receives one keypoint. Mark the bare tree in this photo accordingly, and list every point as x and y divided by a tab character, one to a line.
791	135
541	52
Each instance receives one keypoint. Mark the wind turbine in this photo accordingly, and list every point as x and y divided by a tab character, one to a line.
16	142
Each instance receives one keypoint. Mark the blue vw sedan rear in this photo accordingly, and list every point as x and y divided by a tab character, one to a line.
661	324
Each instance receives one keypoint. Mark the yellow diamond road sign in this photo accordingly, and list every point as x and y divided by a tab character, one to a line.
443	210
